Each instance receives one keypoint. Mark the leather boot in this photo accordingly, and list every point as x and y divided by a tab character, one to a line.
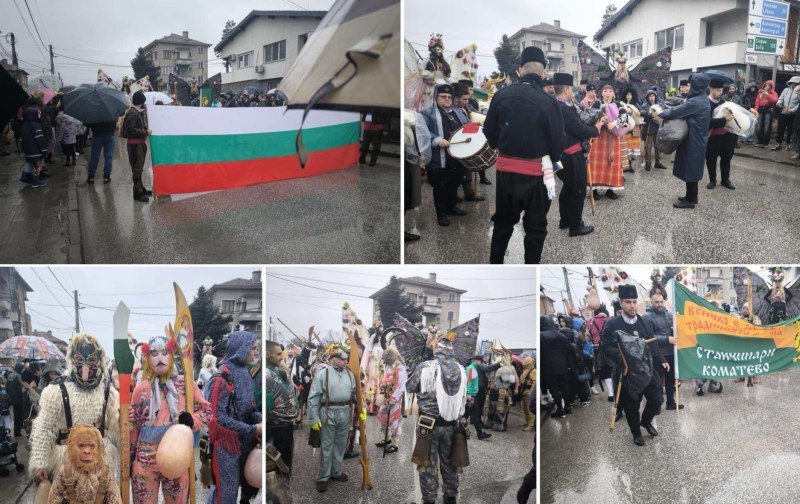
140	196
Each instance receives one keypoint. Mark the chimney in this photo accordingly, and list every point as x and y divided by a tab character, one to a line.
557	24
432	277
186	34
256	276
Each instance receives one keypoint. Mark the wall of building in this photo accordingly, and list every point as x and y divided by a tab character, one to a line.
260	32
201	74
651	16
527	39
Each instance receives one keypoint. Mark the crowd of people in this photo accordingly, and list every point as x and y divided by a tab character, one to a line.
52	401
580	357
591	136
448	396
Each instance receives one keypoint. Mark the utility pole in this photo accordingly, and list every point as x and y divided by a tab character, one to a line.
77	320
52	67
569	291
591	276
14	64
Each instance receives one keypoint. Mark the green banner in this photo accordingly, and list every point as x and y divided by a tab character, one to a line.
206	96
713	344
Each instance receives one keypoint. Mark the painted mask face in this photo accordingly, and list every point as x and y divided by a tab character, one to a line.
160	356
86	364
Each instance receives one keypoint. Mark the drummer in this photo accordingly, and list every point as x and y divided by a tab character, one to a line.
444	171
573	174
461	96
469	104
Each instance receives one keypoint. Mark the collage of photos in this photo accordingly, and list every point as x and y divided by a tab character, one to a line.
371	251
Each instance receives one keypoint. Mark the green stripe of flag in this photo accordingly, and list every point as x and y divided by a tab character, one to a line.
185	149
123	356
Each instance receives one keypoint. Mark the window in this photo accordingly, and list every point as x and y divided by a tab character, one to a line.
670	37
451	297
167	54
243	306
439	300
633	49
200	65
709	33
200	50
275	52
301	41
522	44
575	42
563	46
451	316
154	55
424	299
537	43
413	298
190	52
166	70
574	58
246	60
228	305
575	74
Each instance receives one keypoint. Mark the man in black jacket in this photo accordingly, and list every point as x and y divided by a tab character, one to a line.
630	322
661	323
524	124
483	386
573	173
721	142
14	390
557	358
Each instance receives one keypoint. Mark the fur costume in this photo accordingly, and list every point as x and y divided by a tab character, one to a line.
87	478
86	405
393	384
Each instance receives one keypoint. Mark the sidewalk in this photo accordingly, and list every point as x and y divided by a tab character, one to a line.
781	157
40	225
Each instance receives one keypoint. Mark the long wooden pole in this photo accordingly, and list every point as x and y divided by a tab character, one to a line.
355	367
184	334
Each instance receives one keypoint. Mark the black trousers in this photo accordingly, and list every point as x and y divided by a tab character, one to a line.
764	129
69	151
691	192
371	138
445	184
282	438
722	147
653	407
668	377
528	485
19	418
476	411
558	385
785	125
480	402
517	194
573	192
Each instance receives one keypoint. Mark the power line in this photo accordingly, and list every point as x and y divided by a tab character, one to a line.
34	23
326	281
36	312
92	62
318	288
132	313
59	281
296	5
63	307
22	16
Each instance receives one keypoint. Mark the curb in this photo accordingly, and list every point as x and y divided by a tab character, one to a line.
75	246
760	158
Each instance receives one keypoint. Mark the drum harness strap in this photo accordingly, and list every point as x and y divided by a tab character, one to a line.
61	439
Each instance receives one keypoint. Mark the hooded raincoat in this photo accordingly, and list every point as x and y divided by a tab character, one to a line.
691	154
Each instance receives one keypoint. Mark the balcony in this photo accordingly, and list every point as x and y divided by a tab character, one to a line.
249	316
554	54
729	53
183	62
431	308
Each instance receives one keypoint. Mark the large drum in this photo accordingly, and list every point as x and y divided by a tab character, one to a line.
469	145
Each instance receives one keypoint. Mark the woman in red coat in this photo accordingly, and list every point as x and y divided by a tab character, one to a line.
765	100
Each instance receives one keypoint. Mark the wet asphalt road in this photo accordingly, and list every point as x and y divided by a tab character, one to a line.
494	475
738	446
350	216
755	223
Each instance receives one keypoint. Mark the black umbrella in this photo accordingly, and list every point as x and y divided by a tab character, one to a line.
95	103
12	96
66	89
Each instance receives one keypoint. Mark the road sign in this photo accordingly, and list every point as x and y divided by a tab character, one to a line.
751	59
769	8
757	25
765	45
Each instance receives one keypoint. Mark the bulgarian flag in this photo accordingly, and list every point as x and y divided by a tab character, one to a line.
715	345
196	149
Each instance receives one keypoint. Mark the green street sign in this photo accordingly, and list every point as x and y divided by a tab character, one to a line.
765	45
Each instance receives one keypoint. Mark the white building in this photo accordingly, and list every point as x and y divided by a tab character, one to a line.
441	304
716	281
560	46
704	35
261	48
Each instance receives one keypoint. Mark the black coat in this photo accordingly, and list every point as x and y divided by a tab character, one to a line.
14	388
525	122
483	370
556	352
34	141
608	338
575	130
690	158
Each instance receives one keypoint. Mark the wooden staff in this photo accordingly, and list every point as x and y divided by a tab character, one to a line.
355	368
123	358
589	180
185	339
619	384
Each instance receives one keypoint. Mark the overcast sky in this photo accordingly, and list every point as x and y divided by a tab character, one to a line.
147	291
110	32
462	23
512	321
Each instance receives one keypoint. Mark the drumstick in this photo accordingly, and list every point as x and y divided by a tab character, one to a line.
466	140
